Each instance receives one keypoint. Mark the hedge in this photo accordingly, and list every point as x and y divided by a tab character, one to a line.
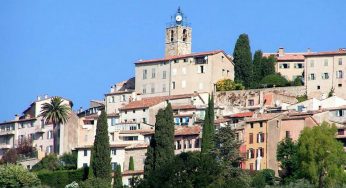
60	178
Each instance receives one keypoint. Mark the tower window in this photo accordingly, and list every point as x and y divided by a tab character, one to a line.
172	35
184	35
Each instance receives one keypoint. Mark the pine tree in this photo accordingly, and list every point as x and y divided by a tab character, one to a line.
131	164
101	161
208	128
118	182
243	60
257	67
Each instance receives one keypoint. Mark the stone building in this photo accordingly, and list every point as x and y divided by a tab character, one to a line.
325	72
182	71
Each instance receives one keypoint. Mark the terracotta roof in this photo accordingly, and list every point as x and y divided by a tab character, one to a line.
341	51
183	107
184	130
241	115
15	121
132	172
137	146
262	117
92	116
287	56
221	120
138	131
180	57
152	101
119	92
113	115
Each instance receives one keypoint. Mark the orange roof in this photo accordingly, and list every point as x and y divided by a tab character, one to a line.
341	51
184	130
262	117
137	146
221	120
138	131
132	172
180	57
287	56
242	114
152	101
183	107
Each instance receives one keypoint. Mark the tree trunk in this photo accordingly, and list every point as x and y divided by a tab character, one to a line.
56	138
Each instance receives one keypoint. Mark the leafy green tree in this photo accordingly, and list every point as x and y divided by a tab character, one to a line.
268	65
118	182
17	176
274	80
257	67
321	157
131	164
208	128
69	160
331	92
101	151
297	81
49	162
243	61
56	113
228	85
286	155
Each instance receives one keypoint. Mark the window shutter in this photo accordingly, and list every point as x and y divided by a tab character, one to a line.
263	137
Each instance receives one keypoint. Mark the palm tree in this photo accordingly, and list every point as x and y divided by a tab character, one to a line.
56	113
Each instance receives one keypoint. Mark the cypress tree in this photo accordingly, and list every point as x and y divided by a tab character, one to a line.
131	164
101	161
149	163
208	128
268	65
118	182
243	60
257	67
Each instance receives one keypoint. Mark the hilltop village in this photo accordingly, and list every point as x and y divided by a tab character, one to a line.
261	116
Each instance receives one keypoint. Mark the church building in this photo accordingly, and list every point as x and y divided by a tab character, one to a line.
181	71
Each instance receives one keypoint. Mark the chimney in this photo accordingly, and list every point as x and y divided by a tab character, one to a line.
45	96
16	117
281	52
112	89
342	49
38	98
309	50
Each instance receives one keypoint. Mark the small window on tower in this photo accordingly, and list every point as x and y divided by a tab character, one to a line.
172	35
184	35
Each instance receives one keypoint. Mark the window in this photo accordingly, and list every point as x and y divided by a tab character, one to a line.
144	120
312	63
113	121
251	153
261	124
32	124
133	120
223	72
183	84
340	61
298	65
123	98
341	131
197	143
186	60
173	85
145	72
85	152
312	76
288	135
251	125
21	125
183	70
164	75
284	66
112	135
163	87
184	35
339	74
201	60
152	88
143	109
260	152
318	87
144	89
153	73
130	138
326	62
114	165
339	113
125	111
172	35
339	85
260	137
201	69
178	144
134	111
227	72
251	102
325	76
250	138
113	151
49	134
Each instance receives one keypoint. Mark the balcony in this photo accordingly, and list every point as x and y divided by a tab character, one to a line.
7	132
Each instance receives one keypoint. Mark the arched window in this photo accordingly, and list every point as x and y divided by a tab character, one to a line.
184	35
172	35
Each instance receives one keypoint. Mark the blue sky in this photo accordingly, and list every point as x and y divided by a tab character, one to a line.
78	49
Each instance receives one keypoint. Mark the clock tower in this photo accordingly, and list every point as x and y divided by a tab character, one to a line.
178	36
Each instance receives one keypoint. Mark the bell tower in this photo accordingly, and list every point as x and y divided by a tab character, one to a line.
178	36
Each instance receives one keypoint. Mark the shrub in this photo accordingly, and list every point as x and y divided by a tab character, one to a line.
95	183
60	178
302	98
17	176
259	181
297	82
274	80
228	85
50	162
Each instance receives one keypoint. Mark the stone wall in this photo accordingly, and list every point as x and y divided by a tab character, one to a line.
232	99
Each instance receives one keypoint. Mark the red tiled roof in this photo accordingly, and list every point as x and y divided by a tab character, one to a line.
241	114
152	101
92	116
138	131
341	51
182	130
262	117
180	57
287	56
221	120
132	172
183	107
15	121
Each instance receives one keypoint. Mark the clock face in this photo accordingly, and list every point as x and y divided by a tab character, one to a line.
178	18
